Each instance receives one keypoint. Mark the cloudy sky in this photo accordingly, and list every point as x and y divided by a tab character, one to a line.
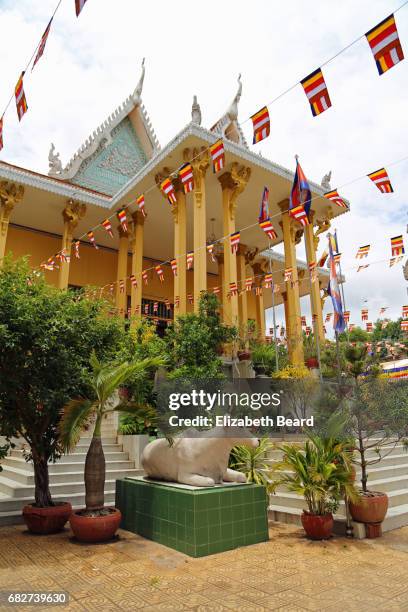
92	63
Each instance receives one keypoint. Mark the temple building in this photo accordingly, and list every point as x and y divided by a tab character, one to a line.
41	216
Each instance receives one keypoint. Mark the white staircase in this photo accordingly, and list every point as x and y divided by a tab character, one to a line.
389	476
66	476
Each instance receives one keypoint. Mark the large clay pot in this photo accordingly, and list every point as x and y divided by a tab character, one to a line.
244	355
95	528
372	507
312	363
317	527
46	520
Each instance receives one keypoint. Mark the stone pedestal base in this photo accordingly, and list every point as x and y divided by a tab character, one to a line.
193	520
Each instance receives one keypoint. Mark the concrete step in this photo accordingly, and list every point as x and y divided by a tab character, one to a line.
79	457
73	473
66	466
86	440
107	448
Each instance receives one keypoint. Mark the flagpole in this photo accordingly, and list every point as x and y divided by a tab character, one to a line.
342	290
273	309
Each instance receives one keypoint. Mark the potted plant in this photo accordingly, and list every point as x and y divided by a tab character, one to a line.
320	471
248	332
98	523
263	358
46	336
251	461
310	351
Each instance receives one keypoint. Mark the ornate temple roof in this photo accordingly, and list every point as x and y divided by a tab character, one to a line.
227	126
115	151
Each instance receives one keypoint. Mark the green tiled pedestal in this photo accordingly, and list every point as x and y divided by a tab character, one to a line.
195	521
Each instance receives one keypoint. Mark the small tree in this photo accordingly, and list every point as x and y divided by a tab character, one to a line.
46	337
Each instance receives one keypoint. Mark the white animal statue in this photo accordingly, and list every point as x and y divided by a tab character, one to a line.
195	458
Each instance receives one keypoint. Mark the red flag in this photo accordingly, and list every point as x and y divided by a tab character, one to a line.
42	44
79	5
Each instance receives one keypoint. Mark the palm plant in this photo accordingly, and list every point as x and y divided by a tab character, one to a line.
251	461
79	413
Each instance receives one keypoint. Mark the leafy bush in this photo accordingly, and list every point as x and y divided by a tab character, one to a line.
144	421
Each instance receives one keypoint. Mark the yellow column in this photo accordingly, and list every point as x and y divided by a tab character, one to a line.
121	298
243	301
260	308
315	300
180	249
293	323
10	195
137	263
71	214
200	166
233	184
223	296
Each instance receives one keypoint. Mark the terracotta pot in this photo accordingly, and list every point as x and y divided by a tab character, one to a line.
317	527
244	355
95	528
46	520
372	507
312	363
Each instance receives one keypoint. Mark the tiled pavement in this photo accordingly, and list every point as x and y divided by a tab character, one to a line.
286	573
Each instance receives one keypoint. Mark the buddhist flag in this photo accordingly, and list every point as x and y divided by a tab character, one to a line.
167	189
337	257
397	246
268	281
168	305
216	290
268	228
21	102
380	178
258	291
369	327
159	272
323	258
141	204
288	274
1	133
146	308
133	280
122	285
79	5
383	309
210	249
248	283
108	226
144	276
263	219
303	321
363	251
316	92
173	264
233	288
282	331
313	271
234	242
364	314
300	196
76	249
404	326
362	267
187	178
308	331
42	44
385	44
334	197
395	260
328	317
155	307
218	155
190	260
91	237
190	298
347	316
261	124
121	214
404	312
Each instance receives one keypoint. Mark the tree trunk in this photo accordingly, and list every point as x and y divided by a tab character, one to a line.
42	482
95	475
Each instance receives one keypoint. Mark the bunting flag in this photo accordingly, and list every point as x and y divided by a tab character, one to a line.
268	228
141	204
337	257
167	189
233	289
248	283
190	260
404	326
173	264
288	274
108	226
351	326
261	124
404	312
347	316
383	309
49	264
385	44
362	267
155	307
42	44
300	196
159	272
308	331
146	308
303	321
122	285
263	219
218	155
91	237
339	324
258	291
282	331
144	276
187	177
381	180
76	249
369	327
268	281
363	251
137	309
364	314
168	305
395	260
79	5
316	92
313	271
111	287
190	298
397	246
21	102
177	301
384	324
121	214
216	290
234	242
323	259
210	249
299	214
133	280
328	317
334	197
63	256
1	133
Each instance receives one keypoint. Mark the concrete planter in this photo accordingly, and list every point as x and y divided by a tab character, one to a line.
134	445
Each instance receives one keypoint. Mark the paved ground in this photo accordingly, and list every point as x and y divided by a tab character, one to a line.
286	573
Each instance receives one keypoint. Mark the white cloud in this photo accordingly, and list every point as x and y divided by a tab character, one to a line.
92	63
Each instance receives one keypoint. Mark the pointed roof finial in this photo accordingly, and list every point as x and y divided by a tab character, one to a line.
232	112
196	112
139	87
297	157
